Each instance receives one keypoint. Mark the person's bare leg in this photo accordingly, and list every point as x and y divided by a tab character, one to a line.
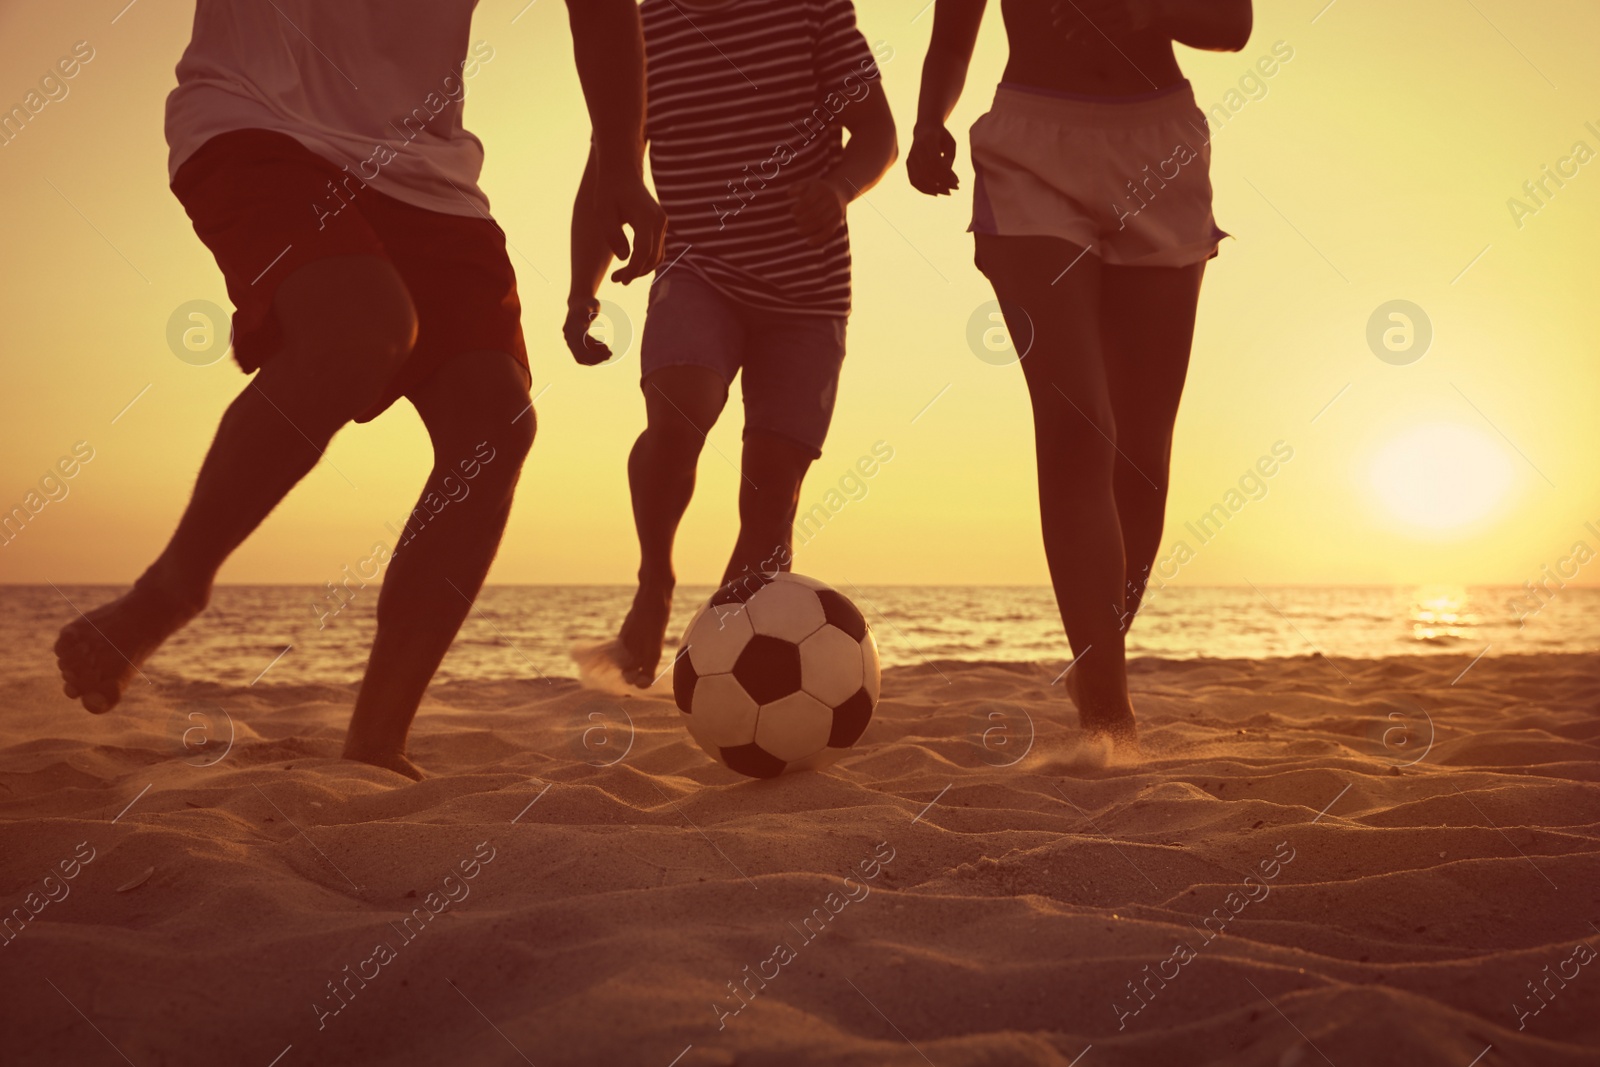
681	405
772	471
476	410
1075	435
347	324
1148	329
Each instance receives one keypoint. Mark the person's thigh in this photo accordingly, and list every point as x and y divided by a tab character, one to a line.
1049	292
317	287
354	308
1148	315
462	283
691	350
690	323
791	378
684	400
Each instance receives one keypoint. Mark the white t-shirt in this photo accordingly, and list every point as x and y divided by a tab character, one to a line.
373	85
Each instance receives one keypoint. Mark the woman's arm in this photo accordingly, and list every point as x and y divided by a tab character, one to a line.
944	73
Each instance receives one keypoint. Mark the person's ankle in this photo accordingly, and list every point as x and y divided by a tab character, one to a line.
389	758
190	592
1100	691
362	749
1101	678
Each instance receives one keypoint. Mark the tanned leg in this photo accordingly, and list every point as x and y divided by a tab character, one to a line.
1147	316
769	493
1075	436
682	403
347	323
476	410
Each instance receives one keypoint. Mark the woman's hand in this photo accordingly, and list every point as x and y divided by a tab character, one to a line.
929	164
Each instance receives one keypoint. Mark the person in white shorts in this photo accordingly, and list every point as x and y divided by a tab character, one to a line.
1092	216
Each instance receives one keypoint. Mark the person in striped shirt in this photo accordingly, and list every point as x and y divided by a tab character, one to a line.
747	105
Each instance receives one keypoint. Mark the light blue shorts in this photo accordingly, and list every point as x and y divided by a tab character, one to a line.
790	361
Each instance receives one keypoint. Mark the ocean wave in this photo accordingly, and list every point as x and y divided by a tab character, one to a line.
249	626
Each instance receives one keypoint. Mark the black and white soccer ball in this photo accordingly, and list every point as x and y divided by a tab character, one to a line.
784	679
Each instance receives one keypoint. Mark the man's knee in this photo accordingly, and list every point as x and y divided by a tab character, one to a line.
496	457
682	403
478	413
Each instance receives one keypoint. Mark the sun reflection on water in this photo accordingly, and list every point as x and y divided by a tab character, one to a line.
1442	613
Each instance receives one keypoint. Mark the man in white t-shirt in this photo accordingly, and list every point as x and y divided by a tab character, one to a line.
319	150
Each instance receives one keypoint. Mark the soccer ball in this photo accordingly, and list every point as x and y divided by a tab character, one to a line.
784	679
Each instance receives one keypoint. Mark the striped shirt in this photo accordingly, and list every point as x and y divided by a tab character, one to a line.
745	102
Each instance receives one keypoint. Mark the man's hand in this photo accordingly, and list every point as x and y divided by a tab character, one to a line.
1097	19
622	199
928	166
819	209
588	351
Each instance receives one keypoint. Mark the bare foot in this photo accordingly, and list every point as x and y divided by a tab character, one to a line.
1108	714
394	761
644	631
99	653
1116	724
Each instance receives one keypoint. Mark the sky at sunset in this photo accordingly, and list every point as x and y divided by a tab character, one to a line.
1376	164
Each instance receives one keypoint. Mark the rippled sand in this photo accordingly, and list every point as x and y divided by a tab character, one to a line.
1299	869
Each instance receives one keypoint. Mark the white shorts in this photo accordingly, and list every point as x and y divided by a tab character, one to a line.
1129	178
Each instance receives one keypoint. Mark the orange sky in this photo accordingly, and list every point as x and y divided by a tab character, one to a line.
1378	163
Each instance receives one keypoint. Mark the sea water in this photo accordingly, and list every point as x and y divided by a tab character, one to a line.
286	634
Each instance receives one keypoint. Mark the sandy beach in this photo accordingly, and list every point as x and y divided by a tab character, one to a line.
1291	873
1236	352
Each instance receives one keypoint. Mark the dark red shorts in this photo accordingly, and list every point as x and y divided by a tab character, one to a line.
263	204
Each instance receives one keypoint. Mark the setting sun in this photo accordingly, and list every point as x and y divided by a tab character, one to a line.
1442	476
